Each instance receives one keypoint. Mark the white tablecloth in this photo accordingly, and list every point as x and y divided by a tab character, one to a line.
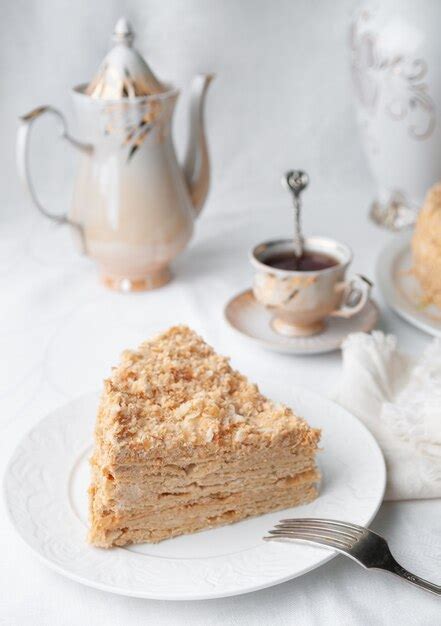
60	331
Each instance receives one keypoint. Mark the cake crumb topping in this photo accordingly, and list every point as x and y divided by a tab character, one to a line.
175	388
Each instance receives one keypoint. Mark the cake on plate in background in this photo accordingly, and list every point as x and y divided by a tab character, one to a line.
426	247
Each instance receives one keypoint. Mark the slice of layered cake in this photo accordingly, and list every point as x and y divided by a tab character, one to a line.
183	442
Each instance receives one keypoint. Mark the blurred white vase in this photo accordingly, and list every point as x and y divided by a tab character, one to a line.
395	54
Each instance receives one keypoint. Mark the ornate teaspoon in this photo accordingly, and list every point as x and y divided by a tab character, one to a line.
296	181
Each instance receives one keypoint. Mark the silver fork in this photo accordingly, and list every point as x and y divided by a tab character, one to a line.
361	544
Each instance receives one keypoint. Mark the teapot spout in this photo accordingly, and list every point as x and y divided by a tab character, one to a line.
197	162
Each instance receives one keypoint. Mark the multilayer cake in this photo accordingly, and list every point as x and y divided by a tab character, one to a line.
183	443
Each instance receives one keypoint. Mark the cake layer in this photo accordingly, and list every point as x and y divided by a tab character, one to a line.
170	448
129	503
157	489
202	472
228	462
180	521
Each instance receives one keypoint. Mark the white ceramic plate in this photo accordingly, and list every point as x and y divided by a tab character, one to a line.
400	288
45	490
253	320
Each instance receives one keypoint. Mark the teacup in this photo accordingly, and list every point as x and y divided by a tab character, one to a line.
302	300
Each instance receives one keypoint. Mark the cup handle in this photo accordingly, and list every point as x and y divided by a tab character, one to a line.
23	161
356	293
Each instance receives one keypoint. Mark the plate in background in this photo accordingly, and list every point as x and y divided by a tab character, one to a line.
401	289
45	490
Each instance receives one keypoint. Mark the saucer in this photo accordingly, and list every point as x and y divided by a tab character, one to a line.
250	318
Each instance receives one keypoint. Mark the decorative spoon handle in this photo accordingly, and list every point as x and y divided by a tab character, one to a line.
296	181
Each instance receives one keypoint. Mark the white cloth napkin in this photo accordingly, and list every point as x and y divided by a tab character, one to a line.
399	399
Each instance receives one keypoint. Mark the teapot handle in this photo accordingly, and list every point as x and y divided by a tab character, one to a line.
23	161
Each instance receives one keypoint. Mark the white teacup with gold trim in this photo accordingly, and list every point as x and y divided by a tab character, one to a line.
303	299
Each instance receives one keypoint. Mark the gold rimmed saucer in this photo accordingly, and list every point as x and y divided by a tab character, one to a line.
251	319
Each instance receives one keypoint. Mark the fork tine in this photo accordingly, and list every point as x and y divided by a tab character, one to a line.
328	528
317	539
349	526
313	535
302	522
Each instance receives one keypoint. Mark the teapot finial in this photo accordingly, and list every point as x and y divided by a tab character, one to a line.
124	73
123	32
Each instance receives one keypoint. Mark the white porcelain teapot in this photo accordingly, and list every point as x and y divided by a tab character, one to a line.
133	206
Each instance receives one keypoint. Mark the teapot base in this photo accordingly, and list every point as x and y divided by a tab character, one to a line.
153	280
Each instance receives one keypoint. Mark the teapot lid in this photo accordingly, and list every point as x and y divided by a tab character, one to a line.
123	72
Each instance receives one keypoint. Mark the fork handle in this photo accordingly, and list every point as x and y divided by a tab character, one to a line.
395	568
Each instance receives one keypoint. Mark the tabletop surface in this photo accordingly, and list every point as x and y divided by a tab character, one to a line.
61	331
